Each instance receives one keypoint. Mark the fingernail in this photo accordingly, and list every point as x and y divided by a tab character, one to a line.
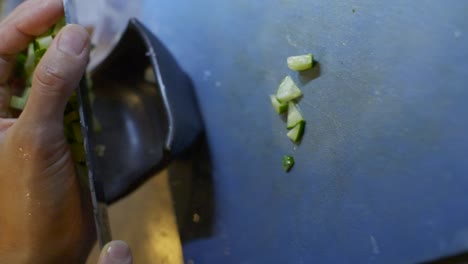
73	39
117	252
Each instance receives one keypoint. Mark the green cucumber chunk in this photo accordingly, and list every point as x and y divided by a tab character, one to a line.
38	54
17	102
301	62
288	90
100	149
58	26
294	115
71	117
295	134
76	127
288	162
43	42
29	64
78	152
279	107
26	93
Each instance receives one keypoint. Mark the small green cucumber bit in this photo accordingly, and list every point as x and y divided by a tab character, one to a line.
288	90
100	149
43	43
58	26
38	54
26	93
294	115
29	64
97	127
288	162
295	134
71	117
279	107
76	127
78	152
17	102
301	62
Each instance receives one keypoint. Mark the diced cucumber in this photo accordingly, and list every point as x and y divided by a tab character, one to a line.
288	162
78	152
288	90
279	107
96	125
294	115
301	62
19	67
43	42
38	54
26	93
149	75
17	102
58	26
100	149
76	127
296	133
30	61
73	101
71	117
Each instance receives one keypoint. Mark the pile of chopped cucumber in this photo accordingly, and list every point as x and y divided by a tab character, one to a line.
285	101
25	66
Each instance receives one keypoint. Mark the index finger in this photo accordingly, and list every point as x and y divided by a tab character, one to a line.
29	20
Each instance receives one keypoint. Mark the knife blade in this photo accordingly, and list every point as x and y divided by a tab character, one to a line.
96	189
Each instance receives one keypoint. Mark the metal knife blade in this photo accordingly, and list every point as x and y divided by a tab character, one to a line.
86	119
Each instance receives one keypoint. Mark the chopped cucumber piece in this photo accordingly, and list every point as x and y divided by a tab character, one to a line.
26	93
279	107
76	127
30	61
300	63
20	61
149	75
69	133
100	149
91	97
288	90
43	42
96	125
296	133
288	162
78	152
58	26
17	102
73	101
71	117
38	55
294	115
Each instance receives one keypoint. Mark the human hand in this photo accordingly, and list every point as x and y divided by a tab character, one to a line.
115	252
45	215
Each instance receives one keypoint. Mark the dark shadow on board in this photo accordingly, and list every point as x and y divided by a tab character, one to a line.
308	75
191	183
461	258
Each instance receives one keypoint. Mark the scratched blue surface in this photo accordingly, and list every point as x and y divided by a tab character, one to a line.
382	173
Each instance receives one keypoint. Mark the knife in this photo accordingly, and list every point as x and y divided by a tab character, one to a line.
96	189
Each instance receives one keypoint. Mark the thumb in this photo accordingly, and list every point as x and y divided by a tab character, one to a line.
57	75
116	252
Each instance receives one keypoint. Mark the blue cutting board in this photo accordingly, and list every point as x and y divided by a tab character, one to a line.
382	173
